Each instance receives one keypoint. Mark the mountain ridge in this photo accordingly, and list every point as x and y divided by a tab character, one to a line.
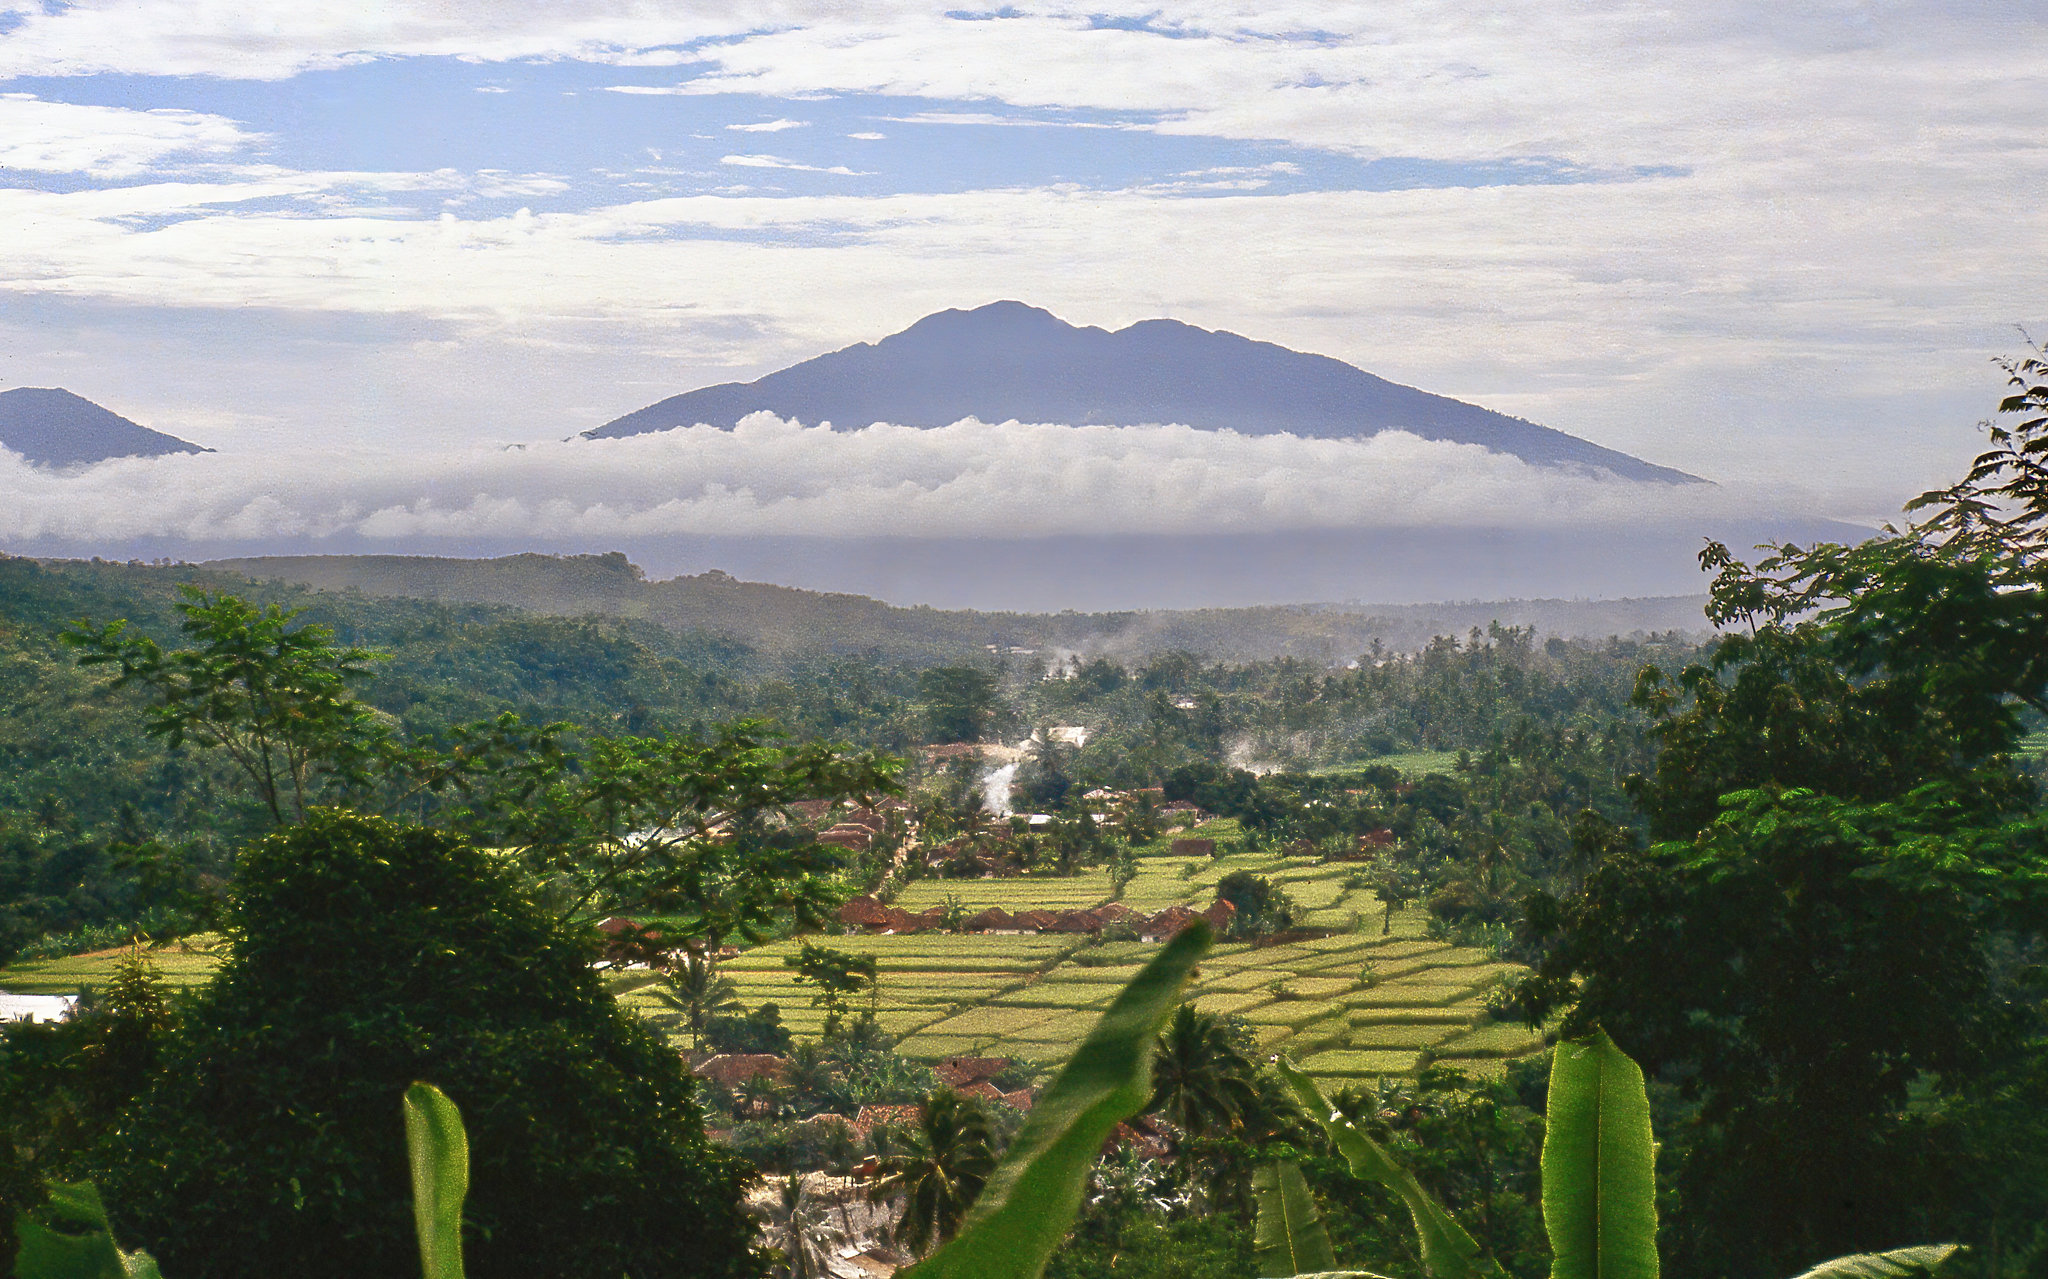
1011	361
781	619
51	426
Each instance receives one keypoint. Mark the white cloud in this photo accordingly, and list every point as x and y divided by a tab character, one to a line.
867	137
109	142
777	162
769	126
1842	214
771	477
988	118
1688	320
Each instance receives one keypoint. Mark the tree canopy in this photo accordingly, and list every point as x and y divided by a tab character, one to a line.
366	955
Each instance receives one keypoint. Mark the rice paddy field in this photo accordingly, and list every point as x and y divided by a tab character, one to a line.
187	963
1349	1007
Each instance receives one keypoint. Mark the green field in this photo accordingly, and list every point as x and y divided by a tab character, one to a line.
185	964
1347	1007
1414	763
1351	1006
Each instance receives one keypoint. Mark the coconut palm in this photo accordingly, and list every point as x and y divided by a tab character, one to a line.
802	1226
692	987
759	1097
945	1162
813	1076
1201	1080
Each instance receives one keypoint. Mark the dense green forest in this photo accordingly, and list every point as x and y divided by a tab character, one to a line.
1781	898
105	824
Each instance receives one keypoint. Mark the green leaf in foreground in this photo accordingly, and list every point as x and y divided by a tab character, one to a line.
439	1147
1289	1238
74	1241
1032	1197
1599	1165
1899	1263
1448	1252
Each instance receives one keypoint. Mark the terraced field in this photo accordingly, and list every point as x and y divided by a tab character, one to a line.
1324	892
1352	1006
1346	1007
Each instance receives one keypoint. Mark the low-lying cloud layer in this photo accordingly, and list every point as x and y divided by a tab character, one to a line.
773	478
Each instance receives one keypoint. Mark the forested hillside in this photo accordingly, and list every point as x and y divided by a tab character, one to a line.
783	619
93	807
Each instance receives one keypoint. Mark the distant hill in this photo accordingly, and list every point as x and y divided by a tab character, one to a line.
1009	361
780	620
52	427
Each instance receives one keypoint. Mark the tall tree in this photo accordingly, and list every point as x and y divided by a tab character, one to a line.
1832	952
959	702
836	978
802	1226
693	987
365	955
271	696
1201	1080
946	1161
692	825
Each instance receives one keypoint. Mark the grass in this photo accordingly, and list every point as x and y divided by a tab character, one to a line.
1344	1063
183	965
1499	1039
1059	995
1411	763
1037	997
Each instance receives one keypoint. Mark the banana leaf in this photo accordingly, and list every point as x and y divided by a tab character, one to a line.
1288	1237
439	1147
1448	1251
1899	1263
1599	1165
1032	1196
69	1238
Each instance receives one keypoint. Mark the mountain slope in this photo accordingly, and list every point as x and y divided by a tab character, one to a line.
1007	360
52	427
782	620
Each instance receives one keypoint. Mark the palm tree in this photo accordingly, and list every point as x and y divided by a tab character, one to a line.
1201	1080
947	1160
812	1076
759	1097
802	1227
693	988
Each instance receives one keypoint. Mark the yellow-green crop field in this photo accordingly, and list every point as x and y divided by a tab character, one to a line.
1351	1006
183	964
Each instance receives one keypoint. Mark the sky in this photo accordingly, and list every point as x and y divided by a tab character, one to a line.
385	257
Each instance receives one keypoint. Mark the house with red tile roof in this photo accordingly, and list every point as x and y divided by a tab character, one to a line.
734	1069
958	1072
993	920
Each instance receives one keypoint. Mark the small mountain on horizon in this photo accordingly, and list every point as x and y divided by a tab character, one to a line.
1008	361
52	427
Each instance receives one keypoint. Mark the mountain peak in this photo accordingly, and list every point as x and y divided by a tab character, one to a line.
50	426
1008	360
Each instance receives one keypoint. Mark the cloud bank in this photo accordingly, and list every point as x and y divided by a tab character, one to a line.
771	477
